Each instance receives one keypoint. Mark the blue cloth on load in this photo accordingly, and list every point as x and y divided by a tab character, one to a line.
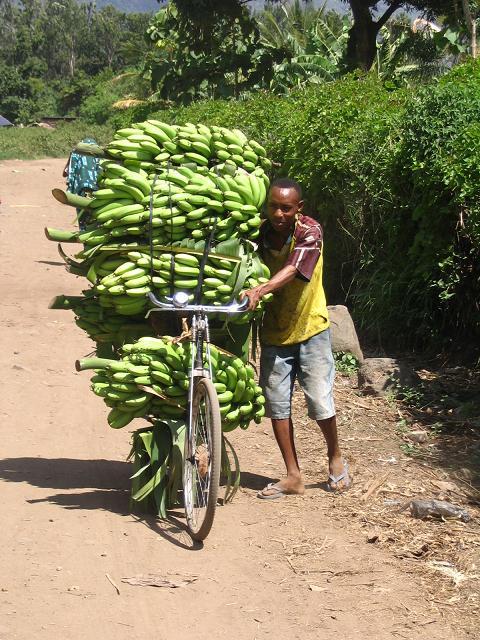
83	171
82	178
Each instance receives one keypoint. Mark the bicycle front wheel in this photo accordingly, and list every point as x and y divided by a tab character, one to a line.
201	476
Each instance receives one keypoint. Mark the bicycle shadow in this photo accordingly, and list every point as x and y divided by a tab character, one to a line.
66	473
172	529
52	263
108	484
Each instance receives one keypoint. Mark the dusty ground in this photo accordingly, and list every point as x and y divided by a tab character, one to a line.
313	567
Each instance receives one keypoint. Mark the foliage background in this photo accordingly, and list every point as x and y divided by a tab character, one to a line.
393	175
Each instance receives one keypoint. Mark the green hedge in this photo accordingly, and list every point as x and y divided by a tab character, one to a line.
424	281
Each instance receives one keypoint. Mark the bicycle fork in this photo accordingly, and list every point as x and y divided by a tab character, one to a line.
200	336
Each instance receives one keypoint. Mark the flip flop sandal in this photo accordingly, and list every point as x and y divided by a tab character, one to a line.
336	479
278	492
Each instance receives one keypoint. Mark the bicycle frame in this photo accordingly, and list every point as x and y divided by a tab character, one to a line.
199	493
200	334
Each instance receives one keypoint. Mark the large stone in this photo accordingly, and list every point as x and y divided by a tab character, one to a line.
379	376
342	331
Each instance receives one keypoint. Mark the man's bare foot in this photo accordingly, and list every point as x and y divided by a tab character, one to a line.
291	485
338	479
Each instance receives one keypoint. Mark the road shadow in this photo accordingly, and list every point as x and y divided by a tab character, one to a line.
107	481
255	481
173	529
67	473
114	500
105	485
51	263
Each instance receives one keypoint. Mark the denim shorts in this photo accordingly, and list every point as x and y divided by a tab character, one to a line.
311	362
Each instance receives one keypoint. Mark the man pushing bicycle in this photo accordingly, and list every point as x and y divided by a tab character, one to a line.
295	335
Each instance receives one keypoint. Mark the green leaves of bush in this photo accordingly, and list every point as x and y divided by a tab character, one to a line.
394	178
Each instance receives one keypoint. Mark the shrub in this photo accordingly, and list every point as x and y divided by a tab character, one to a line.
394	179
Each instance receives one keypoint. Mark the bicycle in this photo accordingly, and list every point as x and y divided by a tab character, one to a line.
203	439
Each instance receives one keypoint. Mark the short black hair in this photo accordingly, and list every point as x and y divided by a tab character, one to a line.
287	183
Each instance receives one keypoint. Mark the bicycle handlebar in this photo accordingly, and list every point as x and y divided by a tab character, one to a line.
179	302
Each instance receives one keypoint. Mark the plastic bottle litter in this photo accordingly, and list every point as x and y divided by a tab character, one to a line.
437	509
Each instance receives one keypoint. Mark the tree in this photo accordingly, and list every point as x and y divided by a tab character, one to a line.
416	52
306	44
369	16
219	58
362	42
53	52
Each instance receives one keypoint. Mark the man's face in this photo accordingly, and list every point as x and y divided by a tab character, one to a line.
282	208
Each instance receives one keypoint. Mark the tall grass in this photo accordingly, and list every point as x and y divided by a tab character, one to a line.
30	143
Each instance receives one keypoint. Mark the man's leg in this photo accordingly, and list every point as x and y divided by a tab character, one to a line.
316	375
336	466
283	430
278	367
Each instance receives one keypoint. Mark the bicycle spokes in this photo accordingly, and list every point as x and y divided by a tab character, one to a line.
199	463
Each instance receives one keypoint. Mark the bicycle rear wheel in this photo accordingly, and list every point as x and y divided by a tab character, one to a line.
201	475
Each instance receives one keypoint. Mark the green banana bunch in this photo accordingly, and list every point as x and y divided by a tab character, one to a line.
233	146
153	143
152	380
122	282
185	204
103	325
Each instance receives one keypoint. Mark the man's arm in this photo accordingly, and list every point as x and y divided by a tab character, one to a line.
279	280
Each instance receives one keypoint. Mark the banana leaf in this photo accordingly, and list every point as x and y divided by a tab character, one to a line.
157	455
150	452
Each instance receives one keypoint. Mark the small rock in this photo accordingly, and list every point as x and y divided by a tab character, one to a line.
74	588
418	436
373	537
59	568
19	367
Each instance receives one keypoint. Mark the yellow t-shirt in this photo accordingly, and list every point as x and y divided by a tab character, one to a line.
298	310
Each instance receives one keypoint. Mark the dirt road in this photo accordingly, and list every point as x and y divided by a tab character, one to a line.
292	568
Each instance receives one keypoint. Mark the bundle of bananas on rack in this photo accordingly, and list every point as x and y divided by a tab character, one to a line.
122	278
175	204
126	288
152	378
178	208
